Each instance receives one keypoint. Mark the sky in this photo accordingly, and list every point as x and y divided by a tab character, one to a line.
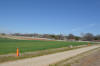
50	16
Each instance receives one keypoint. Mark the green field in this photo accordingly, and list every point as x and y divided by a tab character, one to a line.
9	45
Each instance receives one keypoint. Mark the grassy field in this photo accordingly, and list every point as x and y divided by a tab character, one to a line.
9	45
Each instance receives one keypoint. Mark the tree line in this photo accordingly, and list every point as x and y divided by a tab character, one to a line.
83	37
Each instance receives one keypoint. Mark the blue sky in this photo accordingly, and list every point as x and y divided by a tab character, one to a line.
50	16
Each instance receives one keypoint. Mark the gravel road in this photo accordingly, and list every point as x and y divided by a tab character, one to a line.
48	59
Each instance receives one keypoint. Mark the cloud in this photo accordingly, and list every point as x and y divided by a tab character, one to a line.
84	27
92	25
76	29
4	30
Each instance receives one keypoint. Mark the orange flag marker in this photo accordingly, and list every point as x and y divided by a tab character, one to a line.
88	44
17	52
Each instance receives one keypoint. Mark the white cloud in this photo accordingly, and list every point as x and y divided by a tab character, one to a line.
92	25
4	30
83	27
76	29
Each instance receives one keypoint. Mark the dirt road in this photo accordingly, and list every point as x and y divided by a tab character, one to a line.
48	59
93	59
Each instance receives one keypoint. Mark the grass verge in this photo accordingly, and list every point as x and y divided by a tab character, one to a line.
6	58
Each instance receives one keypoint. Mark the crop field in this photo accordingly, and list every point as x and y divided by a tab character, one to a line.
9	45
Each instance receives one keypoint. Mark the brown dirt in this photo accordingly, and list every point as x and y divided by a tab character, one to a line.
90	60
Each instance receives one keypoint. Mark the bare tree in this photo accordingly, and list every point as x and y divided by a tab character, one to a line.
88	37
70	36
97	37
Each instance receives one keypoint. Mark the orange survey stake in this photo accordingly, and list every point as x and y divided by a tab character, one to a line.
88	44
17	52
